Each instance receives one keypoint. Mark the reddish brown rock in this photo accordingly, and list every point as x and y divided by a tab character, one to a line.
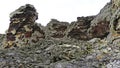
101	30
100	25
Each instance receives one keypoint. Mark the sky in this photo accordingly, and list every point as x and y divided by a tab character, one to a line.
62	10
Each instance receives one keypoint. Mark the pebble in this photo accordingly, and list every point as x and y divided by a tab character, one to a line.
10	54
109	49
105	51
117	51
89	57
38	51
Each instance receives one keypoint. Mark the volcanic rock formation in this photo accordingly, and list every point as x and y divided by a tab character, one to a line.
89	42
22	29
78	29
56	29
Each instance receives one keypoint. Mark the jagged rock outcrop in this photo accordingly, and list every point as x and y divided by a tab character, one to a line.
105	24
56	29
78	29
89	42
101	30
23	30
100	25
114	36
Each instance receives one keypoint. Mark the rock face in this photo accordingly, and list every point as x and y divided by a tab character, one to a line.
100	25
101	30
78	29
114	35
22	29
56	29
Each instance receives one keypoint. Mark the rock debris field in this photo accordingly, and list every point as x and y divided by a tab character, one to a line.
89	42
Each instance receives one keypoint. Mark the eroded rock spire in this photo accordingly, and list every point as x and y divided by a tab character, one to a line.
22	29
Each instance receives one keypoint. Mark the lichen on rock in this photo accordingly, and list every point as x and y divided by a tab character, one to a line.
22	29
56	29
115	4
78	29
89	42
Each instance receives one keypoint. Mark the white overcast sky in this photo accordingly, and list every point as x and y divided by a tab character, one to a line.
63	10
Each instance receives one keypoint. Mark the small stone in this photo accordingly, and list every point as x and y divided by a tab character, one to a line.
117	51
109	49
38	52
99	57
20	66
105	51
89	57
94	40
11	54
